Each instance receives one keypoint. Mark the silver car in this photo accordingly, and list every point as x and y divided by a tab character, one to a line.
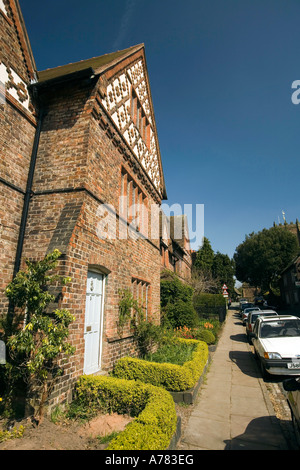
250	321
246	312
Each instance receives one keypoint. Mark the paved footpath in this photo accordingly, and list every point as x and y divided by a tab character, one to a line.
233	410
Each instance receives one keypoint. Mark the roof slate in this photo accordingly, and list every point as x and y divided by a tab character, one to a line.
98	64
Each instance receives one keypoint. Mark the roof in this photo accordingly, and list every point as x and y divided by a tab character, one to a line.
291	264
98	64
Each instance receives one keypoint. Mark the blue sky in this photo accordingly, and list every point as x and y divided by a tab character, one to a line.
221	74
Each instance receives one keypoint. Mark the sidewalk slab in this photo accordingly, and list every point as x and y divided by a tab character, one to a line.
231	411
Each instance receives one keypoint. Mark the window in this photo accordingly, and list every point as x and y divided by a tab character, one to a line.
140	292
134	203
139	118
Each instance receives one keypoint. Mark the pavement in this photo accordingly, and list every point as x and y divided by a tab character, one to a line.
233	410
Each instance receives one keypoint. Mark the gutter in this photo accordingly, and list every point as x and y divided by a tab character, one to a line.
28	193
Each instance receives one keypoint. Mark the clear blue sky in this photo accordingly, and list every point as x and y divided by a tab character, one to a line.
220	73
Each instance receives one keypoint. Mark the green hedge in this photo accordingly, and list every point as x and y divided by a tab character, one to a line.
209	300
153	408
172	377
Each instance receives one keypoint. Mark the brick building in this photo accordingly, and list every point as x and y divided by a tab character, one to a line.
81	171
176	254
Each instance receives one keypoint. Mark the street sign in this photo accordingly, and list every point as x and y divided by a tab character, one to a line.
224	287
225	293
297	283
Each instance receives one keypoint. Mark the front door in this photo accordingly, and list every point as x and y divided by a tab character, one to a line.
93	322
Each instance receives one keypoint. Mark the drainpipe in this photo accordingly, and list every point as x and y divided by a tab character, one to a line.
28	193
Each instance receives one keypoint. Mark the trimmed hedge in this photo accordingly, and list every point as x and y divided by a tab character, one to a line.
172	377
209	300
153	408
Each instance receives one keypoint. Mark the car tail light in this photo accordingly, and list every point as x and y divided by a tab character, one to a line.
250	327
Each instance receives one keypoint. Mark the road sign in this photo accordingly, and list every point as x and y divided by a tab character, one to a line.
224	287
225	293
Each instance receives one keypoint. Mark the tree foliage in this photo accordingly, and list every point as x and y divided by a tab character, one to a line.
37	339
223	269
212	270
204	257
177	303
262	256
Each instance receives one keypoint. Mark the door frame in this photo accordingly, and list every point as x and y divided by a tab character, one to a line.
97	270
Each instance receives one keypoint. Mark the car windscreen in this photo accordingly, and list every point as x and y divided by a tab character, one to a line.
255	315
274	329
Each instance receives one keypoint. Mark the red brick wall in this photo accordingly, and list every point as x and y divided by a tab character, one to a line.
76	152
17	129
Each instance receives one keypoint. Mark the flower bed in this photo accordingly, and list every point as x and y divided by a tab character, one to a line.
172	377
153	409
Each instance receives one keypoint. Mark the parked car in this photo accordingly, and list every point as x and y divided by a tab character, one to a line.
276	341
251	319
245	305
246	312
292	389
242	302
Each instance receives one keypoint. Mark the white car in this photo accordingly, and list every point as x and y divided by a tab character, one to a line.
276	342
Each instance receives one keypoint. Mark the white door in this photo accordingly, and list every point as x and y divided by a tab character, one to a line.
93	322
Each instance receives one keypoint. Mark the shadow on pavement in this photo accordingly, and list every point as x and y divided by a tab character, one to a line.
240	337
245	362
259	435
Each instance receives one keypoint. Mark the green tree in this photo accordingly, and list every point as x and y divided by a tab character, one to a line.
262	256
223	270
204	258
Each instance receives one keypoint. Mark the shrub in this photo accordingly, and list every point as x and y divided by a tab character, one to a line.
172	377
180	314
205	335
177	303
35	351
153	409
173	290
210	300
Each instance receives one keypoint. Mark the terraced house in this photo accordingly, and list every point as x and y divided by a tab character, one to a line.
81	171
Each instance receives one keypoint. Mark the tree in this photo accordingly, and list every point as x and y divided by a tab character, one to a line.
223	270
212	270
262	256
204	258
